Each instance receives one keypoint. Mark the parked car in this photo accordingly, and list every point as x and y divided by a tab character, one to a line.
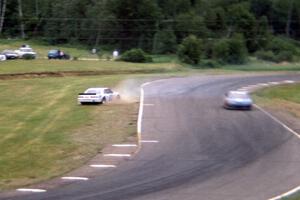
238	100
10	54
26	52
58	54
2	57
97	95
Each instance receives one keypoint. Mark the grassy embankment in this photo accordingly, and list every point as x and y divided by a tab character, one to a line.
285	98
44	133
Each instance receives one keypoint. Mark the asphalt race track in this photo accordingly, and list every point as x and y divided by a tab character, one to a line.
204	151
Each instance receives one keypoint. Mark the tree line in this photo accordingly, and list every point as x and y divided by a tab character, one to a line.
153	25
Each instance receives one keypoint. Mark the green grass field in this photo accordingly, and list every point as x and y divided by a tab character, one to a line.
284	98
296	197
285	92
44	133
27	66
260	66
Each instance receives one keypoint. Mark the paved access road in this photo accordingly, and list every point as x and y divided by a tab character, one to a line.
204	152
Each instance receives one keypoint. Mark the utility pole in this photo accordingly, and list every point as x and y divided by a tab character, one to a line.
3	9
22	27
289	19
37	11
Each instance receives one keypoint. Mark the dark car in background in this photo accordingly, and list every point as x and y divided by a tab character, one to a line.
58	54
10	54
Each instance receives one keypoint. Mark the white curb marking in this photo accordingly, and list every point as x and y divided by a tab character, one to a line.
274	83
117	155
141	109
124	145
288	81
31	190
264	84
103	166
148	104
75	178
278	121
149	141
297	189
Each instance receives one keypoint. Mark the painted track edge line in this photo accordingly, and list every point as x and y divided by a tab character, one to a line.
141	110
278	121
287	194
297	189
31	190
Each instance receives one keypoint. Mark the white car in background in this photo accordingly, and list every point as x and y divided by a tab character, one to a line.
2	57
97	95
10	54
24	51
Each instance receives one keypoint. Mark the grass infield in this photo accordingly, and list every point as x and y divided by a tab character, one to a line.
284	98
45	133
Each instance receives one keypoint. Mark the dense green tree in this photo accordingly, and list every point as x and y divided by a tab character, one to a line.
261	8
215	20
164	41
190	50
151	25
137	21
190	23
171	8
231	50
240	20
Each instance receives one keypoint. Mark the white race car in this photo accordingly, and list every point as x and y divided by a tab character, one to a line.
237	100
97	95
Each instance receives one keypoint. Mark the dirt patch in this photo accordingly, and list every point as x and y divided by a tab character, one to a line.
30	75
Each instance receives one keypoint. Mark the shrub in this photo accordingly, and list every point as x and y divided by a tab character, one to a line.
210	63
278	45
231	51
285	56
278	50
221	50
265	55
136	55
189	51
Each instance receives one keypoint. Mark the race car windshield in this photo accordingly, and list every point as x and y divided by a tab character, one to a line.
238	96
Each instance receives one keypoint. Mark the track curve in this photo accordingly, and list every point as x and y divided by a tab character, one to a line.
204	151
